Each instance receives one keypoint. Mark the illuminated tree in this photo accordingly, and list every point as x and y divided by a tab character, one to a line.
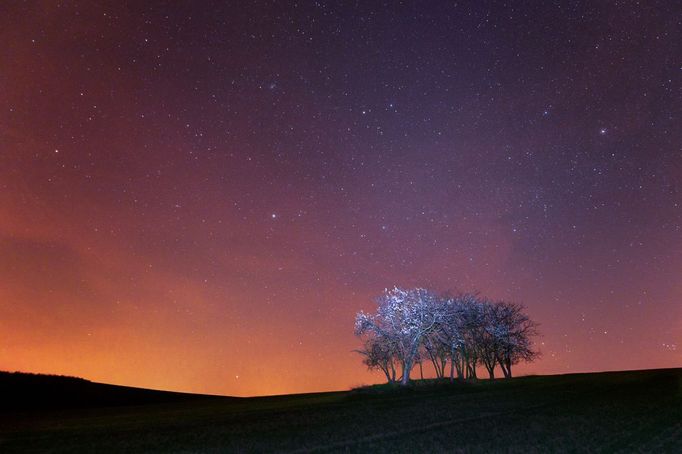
403	318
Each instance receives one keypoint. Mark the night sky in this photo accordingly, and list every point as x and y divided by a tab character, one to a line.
200	196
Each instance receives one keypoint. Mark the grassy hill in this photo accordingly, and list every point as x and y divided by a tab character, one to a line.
608	412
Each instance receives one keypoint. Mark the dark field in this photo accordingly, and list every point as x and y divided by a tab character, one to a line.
606	412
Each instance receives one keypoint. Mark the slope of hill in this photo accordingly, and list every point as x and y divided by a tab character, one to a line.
23	391
612	412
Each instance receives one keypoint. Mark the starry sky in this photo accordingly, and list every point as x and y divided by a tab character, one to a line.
200	196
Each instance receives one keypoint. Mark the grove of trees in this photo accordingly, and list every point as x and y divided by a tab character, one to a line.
457	334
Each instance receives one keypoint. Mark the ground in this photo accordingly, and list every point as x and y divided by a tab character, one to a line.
605	412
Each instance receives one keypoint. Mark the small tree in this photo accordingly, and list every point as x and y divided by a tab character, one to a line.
472	319
514	331
450	334
436	351
487	336
378	355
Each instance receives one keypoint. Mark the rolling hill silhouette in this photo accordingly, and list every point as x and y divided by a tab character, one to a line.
25	391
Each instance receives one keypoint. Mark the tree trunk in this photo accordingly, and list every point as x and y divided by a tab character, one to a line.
388	377
407	367
435	364
421	370
505	365
471	370
434	361
452	369
459	366
490	366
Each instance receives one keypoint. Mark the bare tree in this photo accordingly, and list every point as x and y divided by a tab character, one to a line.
471	313
403	317
437	352
515	332
450	334
487	339
378	355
